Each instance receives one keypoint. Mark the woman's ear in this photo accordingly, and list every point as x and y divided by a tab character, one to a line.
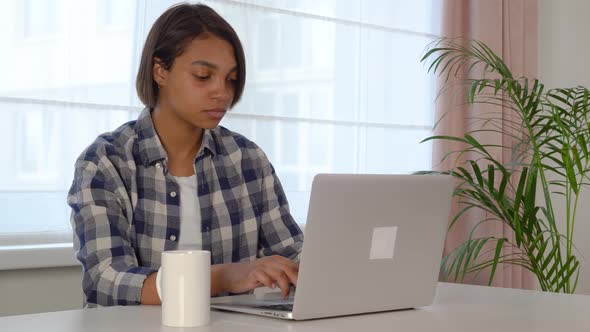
159	73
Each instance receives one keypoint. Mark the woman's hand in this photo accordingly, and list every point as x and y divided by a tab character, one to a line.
245	276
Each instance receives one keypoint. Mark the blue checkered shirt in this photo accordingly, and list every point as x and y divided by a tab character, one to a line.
125	208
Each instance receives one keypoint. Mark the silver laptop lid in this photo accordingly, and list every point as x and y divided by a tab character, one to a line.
372	243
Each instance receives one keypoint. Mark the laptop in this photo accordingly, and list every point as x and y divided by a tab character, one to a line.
372	243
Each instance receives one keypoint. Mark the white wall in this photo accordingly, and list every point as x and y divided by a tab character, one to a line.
564	52
40	290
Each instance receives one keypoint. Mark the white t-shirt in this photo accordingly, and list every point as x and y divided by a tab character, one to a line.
190	213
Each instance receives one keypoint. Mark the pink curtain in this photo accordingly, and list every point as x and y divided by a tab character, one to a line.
509	28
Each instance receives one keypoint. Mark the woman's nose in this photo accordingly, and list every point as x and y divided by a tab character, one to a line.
222	90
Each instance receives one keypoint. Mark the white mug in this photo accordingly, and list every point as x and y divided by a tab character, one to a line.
184	287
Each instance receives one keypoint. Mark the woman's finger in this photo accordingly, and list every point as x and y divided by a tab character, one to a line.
280	278
262	277
292	275
290	268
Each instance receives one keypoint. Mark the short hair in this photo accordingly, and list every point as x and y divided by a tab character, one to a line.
168	38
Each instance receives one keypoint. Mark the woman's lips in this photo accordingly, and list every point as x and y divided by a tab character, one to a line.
216	113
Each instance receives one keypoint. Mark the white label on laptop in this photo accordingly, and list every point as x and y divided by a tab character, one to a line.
383	243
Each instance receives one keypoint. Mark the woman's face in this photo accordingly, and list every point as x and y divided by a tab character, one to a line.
200	86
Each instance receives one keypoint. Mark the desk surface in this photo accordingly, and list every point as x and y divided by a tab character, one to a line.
456	308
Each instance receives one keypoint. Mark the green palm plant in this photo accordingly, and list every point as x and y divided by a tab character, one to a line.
551	157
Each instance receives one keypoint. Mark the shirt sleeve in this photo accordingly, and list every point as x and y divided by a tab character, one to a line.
112	275
279	233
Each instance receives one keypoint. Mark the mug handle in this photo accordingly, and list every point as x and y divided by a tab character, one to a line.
159	283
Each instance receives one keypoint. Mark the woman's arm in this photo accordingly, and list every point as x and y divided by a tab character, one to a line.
279	233
112	275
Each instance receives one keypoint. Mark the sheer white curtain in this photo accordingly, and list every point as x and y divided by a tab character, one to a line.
332	86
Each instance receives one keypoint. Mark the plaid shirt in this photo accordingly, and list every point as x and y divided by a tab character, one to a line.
125	208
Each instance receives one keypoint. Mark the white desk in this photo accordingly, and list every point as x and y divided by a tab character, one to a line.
456	308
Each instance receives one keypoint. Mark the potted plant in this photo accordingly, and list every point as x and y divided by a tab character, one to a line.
551	157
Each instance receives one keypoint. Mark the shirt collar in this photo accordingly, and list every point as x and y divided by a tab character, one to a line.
208	142
150	147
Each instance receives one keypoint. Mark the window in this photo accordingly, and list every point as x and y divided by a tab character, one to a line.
41	19
114	14
63	85
333	86
339	83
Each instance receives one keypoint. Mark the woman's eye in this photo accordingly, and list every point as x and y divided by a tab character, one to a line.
202	77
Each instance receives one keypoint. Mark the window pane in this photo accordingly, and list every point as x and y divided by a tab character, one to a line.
43	142
393	150
416	15
399	90
80	63
314	62
341	9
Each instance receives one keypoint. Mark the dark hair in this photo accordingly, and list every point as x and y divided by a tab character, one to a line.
170	34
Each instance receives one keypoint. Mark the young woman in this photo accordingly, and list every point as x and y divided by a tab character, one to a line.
174	178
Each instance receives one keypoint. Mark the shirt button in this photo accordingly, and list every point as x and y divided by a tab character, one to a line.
158	165
172	237
173	194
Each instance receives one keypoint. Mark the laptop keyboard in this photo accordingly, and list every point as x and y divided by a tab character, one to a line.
277	307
